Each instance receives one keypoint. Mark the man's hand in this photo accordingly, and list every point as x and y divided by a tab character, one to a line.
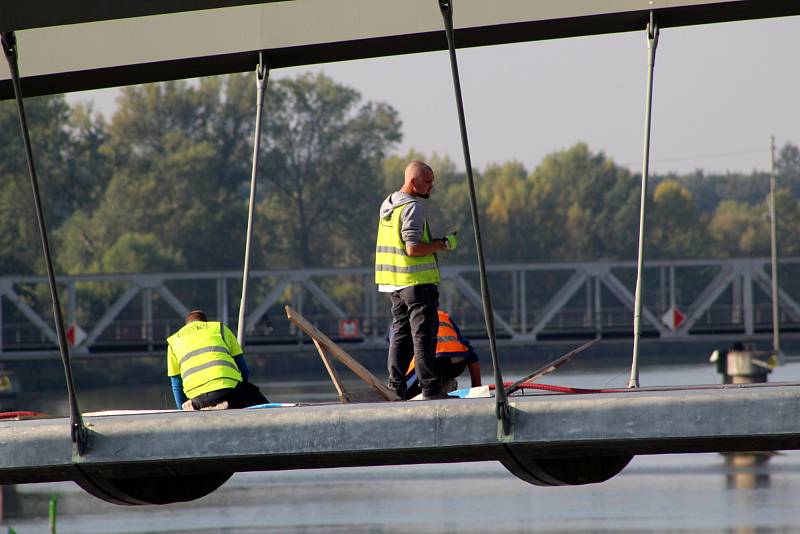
451	241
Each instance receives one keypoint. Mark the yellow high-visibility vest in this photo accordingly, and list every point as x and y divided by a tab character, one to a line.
393	266
202	353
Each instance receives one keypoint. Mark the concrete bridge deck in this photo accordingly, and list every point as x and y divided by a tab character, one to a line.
576	428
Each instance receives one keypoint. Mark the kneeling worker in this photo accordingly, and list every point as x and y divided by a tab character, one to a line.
453	354
206	364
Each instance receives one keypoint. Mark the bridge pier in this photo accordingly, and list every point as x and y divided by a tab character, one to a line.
740	365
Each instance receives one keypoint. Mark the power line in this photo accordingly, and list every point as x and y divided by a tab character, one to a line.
742	152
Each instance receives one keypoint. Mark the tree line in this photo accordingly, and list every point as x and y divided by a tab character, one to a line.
162	185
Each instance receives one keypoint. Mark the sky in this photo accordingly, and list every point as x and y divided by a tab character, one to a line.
720	92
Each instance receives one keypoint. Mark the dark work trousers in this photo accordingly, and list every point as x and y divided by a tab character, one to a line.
415	324
243	395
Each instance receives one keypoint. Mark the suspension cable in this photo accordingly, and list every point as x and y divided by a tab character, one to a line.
652	43
262	74
78	432
502	408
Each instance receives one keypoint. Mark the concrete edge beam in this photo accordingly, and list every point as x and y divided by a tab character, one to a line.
546	426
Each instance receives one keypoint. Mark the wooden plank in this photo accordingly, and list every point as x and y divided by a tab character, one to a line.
337	352
337	382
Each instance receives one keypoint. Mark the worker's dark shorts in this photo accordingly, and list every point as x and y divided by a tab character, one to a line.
243	395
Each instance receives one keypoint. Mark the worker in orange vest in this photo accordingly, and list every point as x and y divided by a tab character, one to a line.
453	354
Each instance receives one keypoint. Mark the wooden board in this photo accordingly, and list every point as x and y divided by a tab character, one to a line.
337	382
337	352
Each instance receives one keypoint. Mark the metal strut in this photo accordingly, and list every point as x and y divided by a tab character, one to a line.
78	431
652	43
773	233
262	74
501	400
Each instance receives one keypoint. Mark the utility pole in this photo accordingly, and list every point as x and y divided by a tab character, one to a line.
776	335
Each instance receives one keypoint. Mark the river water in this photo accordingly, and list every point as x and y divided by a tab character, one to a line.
664	493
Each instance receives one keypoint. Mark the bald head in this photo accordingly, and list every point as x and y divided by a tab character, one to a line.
418	179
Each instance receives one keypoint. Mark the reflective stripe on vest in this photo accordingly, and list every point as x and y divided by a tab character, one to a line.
393	265
203	356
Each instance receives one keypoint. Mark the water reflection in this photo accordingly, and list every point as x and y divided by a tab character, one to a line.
748	470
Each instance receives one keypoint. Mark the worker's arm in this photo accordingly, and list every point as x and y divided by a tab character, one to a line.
413	229
474	373
241	363
236	351
177	391
473	364
423	249
174	374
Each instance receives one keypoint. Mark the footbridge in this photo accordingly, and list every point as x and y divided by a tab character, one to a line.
553	440
723	300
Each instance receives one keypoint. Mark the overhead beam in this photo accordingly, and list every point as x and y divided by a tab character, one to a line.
27	14
98	52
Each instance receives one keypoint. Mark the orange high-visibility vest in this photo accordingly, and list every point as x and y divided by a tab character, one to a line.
447	342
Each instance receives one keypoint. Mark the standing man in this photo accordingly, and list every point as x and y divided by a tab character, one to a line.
406	267
206	365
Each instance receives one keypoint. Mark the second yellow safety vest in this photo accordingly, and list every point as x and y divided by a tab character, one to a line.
205	361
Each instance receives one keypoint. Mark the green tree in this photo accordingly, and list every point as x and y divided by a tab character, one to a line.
505	191
178	157
738	229
787	167
674	228
582	206
138	252
55	142
323	157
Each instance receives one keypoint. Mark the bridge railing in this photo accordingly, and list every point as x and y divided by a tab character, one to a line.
533	301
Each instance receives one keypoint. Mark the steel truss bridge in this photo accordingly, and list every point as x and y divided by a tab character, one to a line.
724	299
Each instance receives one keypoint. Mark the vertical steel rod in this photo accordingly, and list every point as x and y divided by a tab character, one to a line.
673	298
1	326
262	73
776	327
598	308
77	429
652	43
523	304
71	305
503	413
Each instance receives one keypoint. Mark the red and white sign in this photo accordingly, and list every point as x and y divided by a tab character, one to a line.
673	318
75	335
348	328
